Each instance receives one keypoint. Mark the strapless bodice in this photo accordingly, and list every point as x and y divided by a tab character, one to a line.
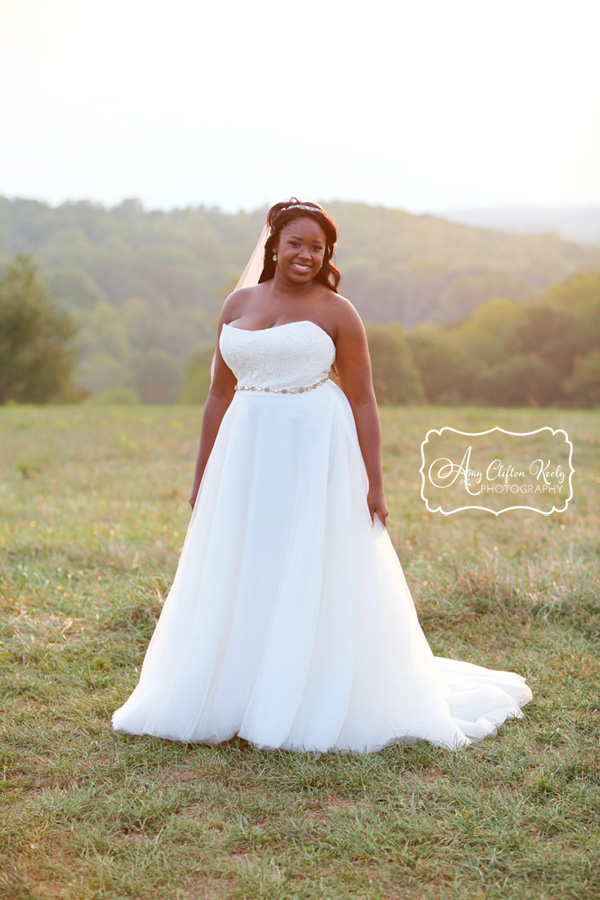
291	356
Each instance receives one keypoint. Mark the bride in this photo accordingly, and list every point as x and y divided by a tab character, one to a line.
289	621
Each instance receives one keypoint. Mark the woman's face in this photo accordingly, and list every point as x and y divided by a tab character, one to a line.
301	249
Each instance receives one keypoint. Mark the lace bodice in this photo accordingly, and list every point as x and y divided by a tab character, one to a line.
294	355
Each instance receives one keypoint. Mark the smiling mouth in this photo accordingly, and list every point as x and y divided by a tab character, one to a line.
301	268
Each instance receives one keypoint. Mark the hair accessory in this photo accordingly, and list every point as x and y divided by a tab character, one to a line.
313	209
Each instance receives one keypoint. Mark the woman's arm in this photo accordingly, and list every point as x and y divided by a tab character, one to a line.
353	367
220	395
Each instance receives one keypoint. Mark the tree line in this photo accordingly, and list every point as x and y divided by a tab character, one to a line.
539	352
144	287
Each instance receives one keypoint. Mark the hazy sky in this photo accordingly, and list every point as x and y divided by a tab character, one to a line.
426	105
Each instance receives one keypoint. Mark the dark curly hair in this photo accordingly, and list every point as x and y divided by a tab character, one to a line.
279	216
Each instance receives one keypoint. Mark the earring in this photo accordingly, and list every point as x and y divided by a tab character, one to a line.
274	257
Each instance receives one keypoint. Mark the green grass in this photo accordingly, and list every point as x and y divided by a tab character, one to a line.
93	511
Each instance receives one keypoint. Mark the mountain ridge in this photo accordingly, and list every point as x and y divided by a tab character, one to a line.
181	264
580	222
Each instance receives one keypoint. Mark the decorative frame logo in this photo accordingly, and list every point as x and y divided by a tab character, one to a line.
444	480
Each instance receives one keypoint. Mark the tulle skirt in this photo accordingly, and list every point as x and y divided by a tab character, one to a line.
289	621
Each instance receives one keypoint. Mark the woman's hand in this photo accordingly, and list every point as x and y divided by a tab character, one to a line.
377	505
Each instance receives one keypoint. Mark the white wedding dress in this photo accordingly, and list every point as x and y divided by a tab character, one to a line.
289	621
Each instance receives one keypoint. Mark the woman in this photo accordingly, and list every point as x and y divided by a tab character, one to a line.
289	621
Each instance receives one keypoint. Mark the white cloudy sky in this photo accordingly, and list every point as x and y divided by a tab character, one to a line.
421	104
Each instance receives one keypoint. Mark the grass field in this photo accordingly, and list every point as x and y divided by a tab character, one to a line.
93	511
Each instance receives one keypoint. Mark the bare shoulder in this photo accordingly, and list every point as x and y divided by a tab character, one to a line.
237	302
345	318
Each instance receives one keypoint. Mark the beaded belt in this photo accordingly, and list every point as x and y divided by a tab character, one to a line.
268	390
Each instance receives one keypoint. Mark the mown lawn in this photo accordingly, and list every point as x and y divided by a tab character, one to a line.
93	511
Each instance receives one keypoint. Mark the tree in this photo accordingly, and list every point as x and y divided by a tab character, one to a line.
549	332
36	354
480	342
143	326
103	372
466	293
157	377
583	386
395	376
103	331
75	290
522	380
197	376
438	363
579	296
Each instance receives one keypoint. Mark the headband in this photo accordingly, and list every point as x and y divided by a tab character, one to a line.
313	209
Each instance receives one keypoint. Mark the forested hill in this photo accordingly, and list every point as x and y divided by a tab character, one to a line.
402	267
164	275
